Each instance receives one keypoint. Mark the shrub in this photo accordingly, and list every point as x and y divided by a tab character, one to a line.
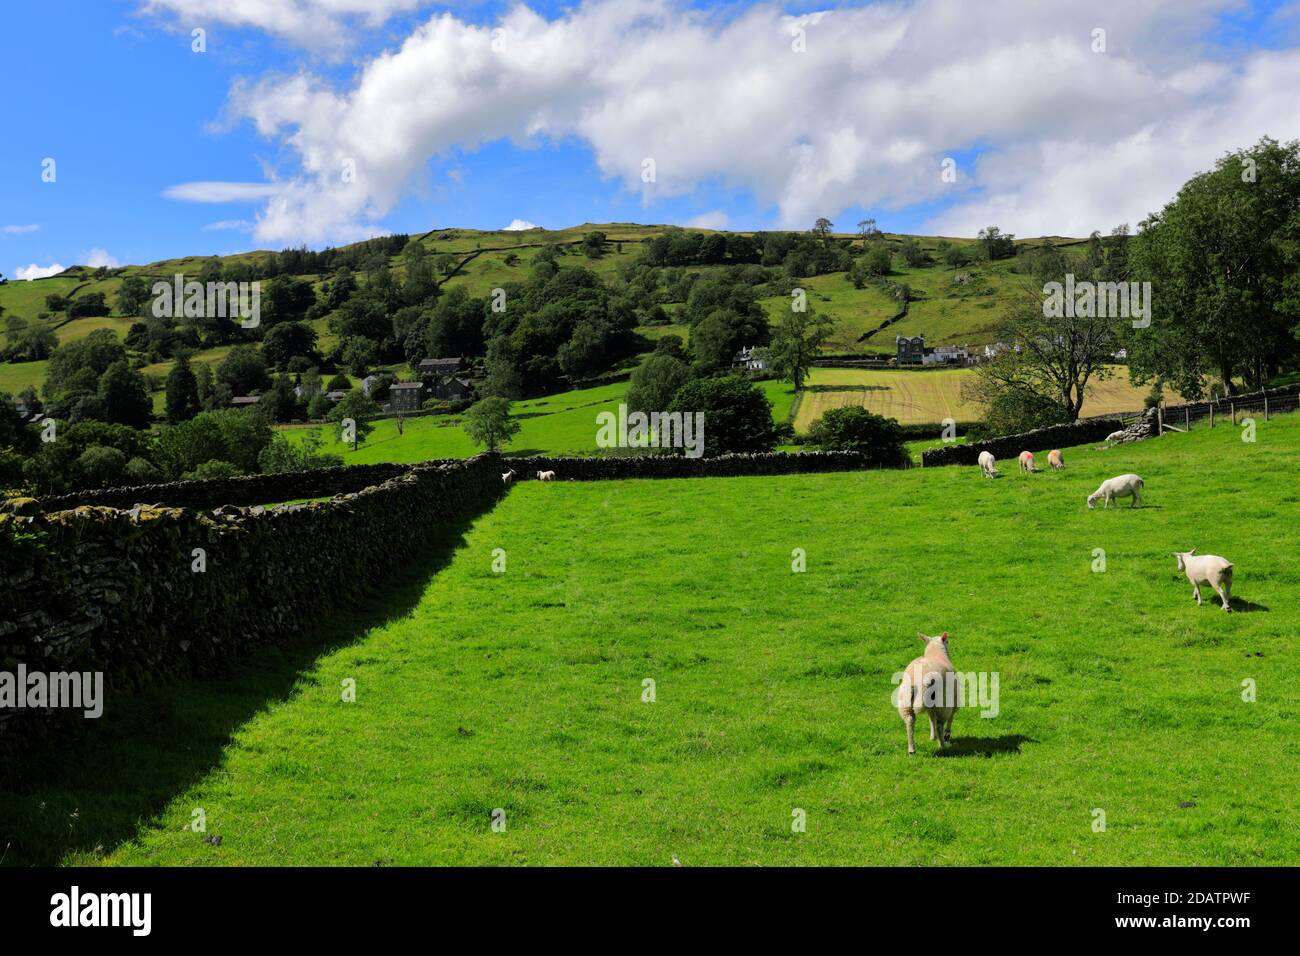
737	415
853	428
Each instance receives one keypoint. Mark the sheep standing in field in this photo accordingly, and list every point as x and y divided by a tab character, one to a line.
508	477
1207	569
546	476
1055	460
1027	462
929	686
987	463
1121	486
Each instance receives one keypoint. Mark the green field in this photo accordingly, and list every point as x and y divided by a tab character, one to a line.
561	424
523	691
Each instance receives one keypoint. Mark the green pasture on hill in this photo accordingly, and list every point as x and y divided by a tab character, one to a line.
524	693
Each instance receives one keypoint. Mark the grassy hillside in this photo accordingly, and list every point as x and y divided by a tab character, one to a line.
523	690
557	424
945	311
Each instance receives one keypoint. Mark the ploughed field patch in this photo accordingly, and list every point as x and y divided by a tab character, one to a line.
520	695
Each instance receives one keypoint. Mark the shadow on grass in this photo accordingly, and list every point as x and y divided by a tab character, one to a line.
984	746
1237	604
115	781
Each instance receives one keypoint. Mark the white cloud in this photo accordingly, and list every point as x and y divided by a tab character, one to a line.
18	230
1071	140
717	219
98	257
33	271
318	24
520	225
219	192
238	225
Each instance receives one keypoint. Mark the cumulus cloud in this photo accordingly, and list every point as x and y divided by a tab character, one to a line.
98	257
520	225
716	219
669	98
322	25
18	230
33	271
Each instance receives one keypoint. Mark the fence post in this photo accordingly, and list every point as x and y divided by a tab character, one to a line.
1187	417
1266	407
1232	407
1211	414
1160	420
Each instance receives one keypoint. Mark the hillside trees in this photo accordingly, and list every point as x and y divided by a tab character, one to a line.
488	422
737	415
655	382
797	343
182	392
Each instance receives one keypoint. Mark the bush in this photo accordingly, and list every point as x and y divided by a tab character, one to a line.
211	469
853	428
737	415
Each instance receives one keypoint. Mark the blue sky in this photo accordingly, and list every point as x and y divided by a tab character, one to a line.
111	90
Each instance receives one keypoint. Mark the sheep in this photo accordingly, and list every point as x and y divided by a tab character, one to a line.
987	463
1055	460
1121	486
546	476
929	685
1115	436
1207	569
508	477
1027	461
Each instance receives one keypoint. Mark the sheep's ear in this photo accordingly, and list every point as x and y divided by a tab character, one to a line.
921	636
1193	551
944	638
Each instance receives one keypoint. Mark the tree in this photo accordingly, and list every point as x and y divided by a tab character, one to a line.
101	467
996	244
182	392
353	411
797	343
594	245
878	260
737	415
285	341
655	382
1223	260
282	455
1042	376
867	229
132	295
822	229
125	395
488	422
853	428
243	371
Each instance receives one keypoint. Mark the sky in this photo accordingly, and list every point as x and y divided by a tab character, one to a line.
129	137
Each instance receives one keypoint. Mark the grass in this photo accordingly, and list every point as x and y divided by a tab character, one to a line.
523	690
560	424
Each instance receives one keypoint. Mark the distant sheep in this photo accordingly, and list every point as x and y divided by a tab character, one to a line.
1027	461
987	464
508	477
1121	486
546	476
1115	436
1055	460
1207	569
929	686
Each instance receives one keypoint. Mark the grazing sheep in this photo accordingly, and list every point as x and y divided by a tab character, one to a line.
1055	460
508	477
930	686
546	476
1027	461
1207	569
987	463
1115	436
1121	486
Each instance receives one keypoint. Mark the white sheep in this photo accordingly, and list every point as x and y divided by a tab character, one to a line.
1207	569
1115	436
508	477
1121	486
1055	460
546	476
930	686
987	463
1027	461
